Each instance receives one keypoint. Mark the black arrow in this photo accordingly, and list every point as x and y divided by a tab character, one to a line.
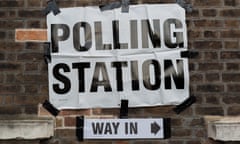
155	128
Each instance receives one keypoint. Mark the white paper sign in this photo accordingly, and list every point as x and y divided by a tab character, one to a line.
99	58
124	129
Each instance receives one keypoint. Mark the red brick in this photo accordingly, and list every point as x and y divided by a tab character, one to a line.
75	112
70	121
31	35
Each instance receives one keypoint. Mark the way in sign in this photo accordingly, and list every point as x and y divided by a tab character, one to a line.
123	128
112	128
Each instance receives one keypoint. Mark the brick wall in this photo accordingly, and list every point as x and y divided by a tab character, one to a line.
213	31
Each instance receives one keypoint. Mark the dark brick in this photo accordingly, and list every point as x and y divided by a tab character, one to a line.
2	34
34	24
33	3
209	12
31	109
230	13
232	23
197	122
15	47
208	23
210	88
67	3
212	100
213	56
230	55
211	34
208	3
2	56
230	34
33	46
181	133
212	77
210	66
11	24
194	13
231	77
213	45
233	87
9	89
10	67
232	66
3	14
31	67
70	133
31	78
176	122
194	34
231	44
196	78
10	110
194	142
11	3
30	57
209	110
231	99
30	13
31	89
230	2
233	110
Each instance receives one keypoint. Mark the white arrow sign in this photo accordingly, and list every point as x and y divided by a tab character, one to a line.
125	128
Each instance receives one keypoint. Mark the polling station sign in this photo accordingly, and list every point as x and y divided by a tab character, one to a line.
100	57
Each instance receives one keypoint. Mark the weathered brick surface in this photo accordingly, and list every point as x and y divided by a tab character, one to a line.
213	31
